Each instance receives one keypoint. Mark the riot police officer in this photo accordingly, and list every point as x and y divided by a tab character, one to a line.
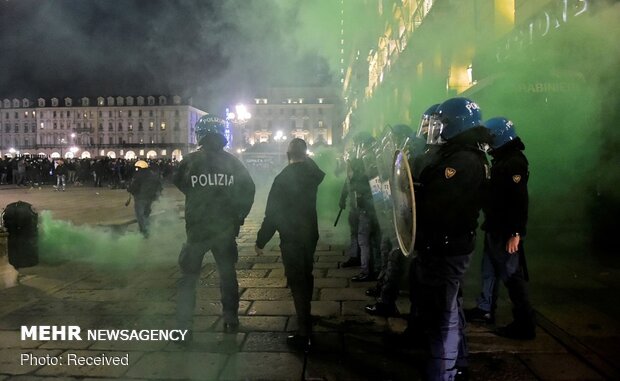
219	193
448	201
506	211
145	187
291	210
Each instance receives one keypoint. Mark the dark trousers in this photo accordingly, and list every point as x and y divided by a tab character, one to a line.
142	207
298	259
224	249
439	299
393	263
498	264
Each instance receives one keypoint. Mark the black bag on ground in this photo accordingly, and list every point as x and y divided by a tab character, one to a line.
21	221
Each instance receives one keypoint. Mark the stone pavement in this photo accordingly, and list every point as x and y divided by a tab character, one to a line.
101	278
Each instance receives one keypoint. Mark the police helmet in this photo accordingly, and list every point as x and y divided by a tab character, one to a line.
502	131
141	164
452	118
210	126
401	132
364	142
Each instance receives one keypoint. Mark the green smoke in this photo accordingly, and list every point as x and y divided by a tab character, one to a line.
116	246
61	240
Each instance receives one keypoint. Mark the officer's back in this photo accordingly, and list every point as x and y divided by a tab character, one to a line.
218	189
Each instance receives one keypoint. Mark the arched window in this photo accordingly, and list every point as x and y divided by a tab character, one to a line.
68	102
110	101
54	102
151	101
162	100
25	102
85	101
16	103
176	100
100	101
140	101
120	101
129	101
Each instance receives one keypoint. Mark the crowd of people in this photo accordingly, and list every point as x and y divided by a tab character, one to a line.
96	172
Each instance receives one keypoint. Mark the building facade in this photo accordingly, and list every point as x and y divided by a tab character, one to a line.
309	113
127	127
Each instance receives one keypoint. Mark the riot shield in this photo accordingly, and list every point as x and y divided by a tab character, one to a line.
403	201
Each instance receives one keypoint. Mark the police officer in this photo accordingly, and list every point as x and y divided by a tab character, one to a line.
219	193
291	210
448	201
392	258
354	249
145	188
362	219
506	211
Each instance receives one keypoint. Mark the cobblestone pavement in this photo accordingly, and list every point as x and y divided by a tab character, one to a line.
117	280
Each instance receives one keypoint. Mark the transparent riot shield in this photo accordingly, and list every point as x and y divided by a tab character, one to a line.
403	201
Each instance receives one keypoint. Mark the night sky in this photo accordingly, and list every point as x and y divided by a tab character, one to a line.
219	52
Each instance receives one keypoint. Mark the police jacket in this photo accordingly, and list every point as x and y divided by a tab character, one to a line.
449	199
145	185
506	203
291	205
357	189
219	193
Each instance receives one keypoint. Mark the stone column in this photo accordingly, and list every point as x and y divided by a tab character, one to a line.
8	274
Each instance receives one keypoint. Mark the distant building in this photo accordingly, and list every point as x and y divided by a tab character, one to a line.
284	113
127	127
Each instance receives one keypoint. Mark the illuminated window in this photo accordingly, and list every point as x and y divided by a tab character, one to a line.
163	126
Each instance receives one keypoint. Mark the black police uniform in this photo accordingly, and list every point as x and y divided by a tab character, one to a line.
506	212
362	219
291	210
145	188
219	193
448	202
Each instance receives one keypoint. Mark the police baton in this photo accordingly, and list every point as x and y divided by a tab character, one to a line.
338	217
128	201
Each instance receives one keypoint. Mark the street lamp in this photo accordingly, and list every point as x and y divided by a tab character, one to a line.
62	143
279	137
74	151
237	118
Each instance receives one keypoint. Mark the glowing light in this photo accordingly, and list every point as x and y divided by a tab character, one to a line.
242	112
278	136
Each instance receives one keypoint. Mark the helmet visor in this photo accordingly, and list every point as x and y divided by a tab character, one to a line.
424	124
435	127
